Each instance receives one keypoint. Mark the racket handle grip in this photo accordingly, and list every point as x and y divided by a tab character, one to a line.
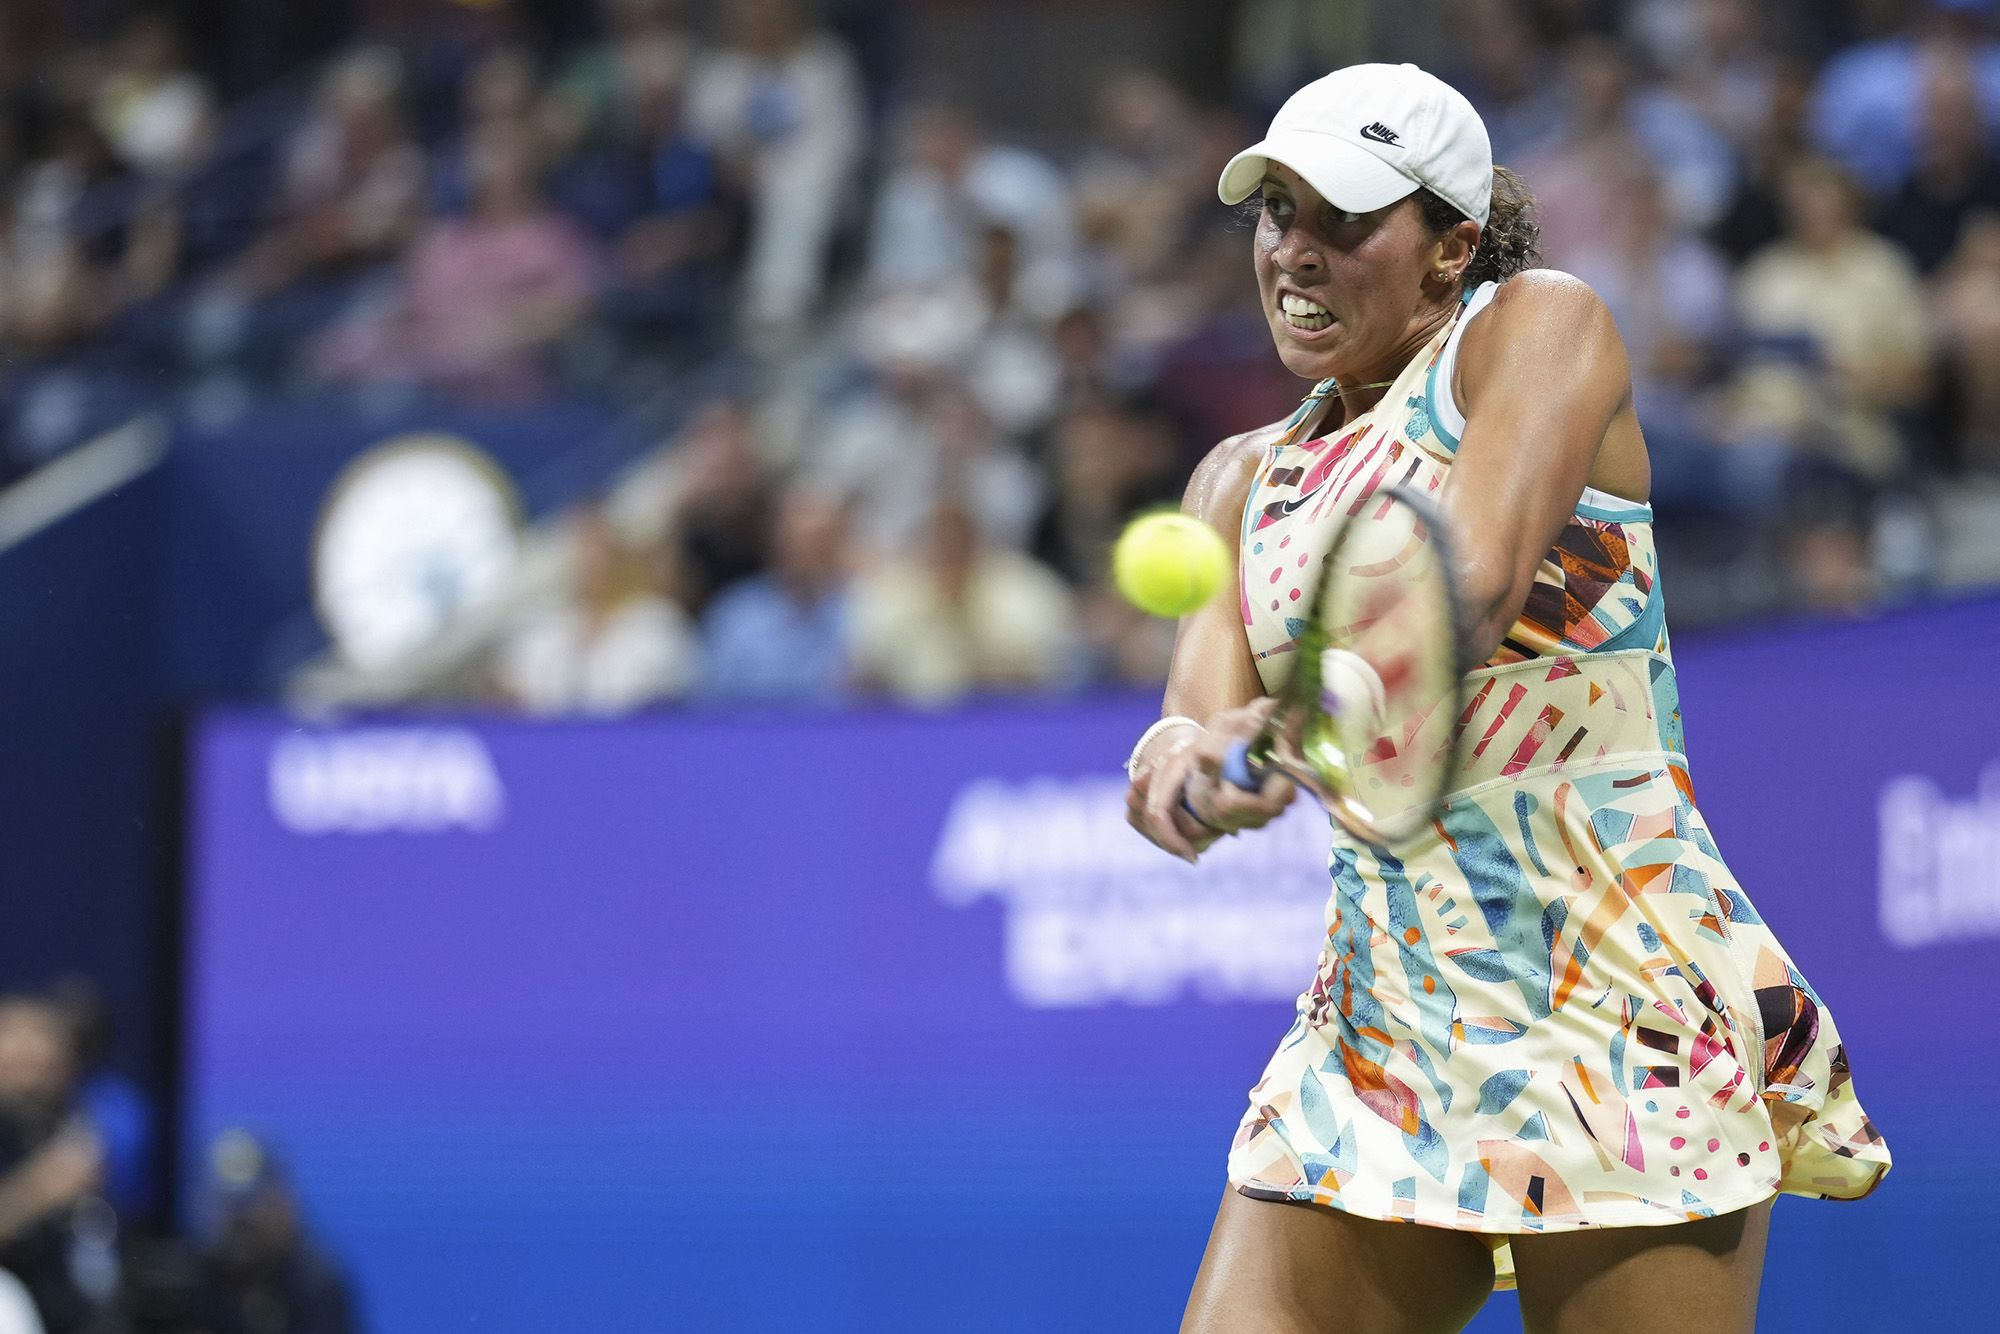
1237	768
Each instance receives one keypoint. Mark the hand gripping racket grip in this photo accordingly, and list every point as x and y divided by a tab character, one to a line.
1236	767
1236	770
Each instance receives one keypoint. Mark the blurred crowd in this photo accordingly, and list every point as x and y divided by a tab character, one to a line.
959	361
79	1249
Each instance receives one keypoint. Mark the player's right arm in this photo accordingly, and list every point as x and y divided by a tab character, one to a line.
1213	680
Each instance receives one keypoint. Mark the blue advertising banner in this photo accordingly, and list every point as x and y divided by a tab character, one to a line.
885	1021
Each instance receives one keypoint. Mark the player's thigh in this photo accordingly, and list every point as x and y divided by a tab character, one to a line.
1702	1275
1274	1268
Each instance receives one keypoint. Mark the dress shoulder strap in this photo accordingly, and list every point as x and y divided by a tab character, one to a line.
1446	417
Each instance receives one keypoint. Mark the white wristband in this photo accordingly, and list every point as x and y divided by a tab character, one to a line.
1146	737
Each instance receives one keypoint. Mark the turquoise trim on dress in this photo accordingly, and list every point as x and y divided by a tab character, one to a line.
1430	406
1636	511
1431	384
1292	424
1646	628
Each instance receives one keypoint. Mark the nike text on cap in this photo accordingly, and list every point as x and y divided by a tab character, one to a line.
1367	135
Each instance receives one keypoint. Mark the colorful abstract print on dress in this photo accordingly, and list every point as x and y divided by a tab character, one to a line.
1560	1010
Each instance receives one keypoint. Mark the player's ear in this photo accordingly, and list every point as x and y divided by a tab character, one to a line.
1451	252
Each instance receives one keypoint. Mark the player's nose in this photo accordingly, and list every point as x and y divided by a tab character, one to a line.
1298	253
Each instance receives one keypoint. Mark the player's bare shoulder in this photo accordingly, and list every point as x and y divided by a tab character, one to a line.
1541	297
1540	321
1221	481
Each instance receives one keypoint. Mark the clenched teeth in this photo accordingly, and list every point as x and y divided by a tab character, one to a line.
1304	315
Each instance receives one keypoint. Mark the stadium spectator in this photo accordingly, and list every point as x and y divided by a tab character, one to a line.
500	96
960	616
1714	54
1779	138
591	104
1090	363
1967	305
654	194
1611	117
780	106
611	643
156	112
1509	77
1826	546
1666	287
1955	174
1167	281
348	199
114	1105
352	189
51	1159
485	298
1280	44
1010	368
59	285
948	190
1868	109
1857	302
1212	366
1110	461
781	637
913	431
708	503
443	44
1670	293
1142	217
263	1273
1143	129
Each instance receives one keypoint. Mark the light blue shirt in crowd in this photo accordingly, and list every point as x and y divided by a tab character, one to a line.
1868	108
760	645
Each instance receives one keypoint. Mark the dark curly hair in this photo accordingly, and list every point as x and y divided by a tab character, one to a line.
1506	242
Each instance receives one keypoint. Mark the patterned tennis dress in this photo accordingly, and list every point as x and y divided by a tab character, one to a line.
1558	1009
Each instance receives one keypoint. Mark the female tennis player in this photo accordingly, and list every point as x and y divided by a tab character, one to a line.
1552	1033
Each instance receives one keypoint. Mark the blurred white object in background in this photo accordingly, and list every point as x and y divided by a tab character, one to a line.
412	533
17	1310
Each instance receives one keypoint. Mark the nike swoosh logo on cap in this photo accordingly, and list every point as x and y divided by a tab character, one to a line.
1380	133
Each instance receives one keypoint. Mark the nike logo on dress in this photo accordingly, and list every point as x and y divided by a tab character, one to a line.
1380	133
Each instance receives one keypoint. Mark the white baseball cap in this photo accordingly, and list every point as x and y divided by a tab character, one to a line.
1368	135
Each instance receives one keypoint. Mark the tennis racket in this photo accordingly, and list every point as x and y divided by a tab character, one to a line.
1370	720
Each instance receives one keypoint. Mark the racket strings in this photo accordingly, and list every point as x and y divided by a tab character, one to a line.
1381	746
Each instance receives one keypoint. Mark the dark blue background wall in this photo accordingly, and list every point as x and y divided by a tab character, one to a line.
81	733
188	585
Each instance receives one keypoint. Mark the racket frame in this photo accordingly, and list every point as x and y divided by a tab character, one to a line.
1317	761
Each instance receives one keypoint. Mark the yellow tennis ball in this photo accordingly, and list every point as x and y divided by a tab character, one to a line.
1169	564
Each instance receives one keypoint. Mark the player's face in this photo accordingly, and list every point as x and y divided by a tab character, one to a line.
1344	293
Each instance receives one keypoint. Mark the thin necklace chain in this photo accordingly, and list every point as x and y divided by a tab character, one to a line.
1338	392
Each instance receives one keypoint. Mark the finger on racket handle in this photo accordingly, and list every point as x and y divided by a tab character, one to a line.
1238	769
1187	805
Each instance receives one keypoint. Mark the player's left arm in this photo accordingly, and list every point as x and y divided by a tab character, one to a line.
1541	375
